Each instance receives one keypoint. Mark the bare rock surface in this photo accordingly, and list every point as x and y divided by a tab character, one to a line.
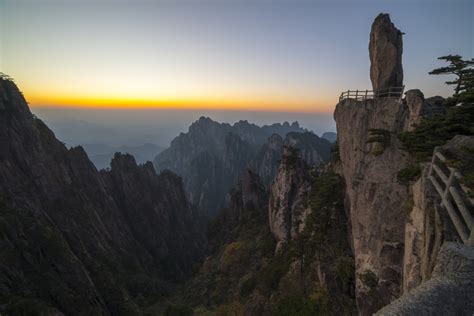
286	210
385	49
450	291
377	202
375	198
424	233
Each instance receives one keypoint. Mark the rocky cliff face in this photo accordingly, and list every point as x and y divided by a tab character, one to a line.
286	208
396	226
448	292
212	156
79	241
376	199
394	231
313	149
423	233
313	270
385	50
268	158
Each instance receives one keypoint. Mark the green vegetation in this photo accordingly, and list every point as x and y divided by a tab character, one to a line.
270	277
233	309
324	240
381	138
297	305
437	130
408	174
369	279
28	307
244	265
318	303
335	155
292	159
464	73
179	310
464	163
248	285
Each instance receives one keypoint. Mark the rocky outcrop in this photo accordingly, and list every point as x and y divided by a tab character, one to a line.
248	199
268	158
371	158
212	156
385	51
421	108
449	291
82	242
375	197
313	272
313	149
286	208
423	233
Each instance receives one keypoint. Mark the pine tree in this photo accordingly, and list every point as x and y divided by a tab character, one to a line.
462	69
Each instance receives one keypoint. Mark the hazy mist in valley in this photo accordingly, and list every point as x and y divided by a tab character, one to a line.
115	127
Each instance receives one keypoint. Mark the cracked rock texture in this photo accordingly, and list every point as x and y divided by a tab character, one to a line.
377	203
286	210
385	51
450	291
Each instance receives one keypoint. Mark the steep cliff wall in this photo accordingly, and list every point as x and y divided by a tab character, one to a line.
376	200
395	230
286	209
76	241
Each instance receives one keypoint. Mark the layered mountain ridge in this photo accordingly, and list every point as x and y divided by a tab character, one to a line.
211	156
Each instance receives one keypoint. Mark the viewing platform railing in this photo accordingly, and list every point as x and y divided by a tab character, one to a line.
360	95
454	196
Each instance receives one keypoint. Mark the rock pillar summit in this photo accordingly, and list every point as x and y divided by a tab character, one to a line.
385	51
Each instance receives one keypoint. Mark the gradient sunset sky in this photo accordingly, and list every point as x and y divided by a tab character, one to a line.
250	55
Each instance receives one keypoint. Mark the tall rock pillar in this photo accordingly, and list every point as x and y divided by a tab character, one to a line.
385	51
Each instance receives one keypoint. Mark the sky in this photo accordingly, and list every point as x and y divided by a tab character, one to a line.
266	56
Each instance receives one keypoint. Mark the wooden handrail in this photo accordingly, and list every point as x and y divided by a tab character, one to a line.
452	199
392	92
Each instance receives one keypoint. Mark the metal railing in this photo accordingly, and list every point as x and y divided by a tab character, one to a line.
454	196
360	95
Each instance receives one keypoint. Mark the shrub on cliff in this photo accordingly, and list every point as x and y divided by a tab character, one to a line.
437	130
408	174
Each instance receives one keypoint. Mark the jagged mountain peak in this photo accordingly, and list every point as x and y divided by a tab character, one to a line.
81	241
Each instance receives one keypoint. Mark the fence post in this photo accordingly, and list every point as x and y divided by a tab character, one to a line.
357	94
366	94
448	184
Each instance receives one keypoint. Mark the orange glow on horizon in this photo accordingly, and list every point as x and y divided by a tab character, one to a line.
183	104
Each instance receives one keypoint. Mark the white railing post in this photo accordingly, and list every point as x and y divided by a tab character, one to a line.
470	241
451	196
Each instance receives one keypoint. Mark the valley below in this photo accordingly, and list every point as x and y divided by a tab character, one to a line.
246	219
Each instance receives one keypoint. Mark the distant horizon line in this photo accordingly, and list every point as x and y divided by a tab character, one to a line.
130	107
